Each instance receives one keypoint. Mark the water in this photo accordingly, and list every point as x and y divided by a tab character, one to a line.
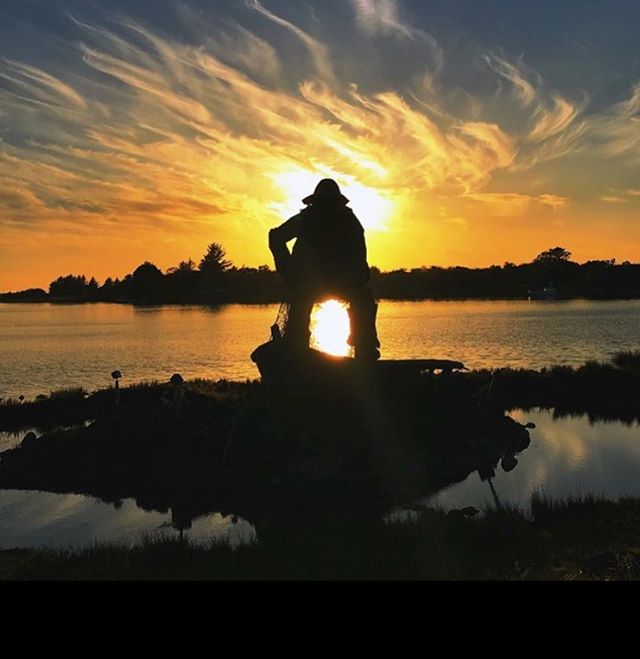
46	347
39	519
567	457
11	438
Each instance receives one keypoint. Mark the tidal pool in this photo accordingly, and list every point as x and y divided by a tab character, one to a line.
568	456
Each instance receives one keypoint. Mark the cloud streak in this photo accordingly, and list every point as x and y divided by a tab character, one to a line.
616	132
382	16
513	204
318	51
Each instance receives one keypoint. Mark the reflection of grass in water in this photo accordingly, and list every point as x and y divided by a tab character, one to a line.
577	538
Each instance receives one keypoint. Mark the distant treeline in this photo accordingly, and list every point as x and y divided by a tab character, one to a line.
215	280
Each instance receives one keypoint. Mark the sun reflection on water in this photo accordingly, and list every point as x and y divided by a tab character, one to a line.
330	328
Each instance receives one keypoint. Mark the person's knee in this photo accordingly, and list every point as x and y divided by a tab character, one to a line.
361	297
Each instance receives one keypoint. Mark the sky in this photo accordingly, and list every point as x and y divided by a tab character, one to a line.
463	132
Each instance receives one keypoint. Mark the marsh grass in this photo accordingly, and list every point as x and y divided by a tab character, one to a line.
576	538
602	390
68	393
628	360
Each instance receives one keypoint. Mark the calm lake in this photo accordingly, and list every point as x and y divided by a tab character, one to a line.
44	347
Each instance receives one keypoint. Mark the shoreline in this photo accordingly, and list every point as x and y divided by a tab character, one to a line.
592	387
76	302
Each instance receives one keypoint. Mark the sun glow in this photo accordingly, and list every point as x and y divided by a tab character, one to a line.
330	328
372	208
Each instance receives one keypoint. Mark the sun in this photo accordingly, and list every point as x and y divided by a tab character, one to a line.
330	328
372	208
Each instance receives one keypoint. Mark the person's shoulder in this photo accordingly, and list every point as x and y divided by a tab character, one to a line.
292	221
353	218
305	216
299	216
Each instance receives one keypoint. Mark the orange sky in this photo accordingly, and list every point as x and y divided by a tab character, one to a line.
137	145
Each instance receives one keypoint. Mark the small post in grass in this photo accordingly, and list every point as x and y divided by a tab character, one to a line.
177	381
116	375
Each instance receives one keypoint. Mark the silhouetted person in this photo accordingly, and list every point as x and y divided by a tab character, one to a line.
328	259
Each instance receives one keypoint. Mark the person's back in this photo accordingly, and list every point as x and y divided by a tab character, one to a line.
330	248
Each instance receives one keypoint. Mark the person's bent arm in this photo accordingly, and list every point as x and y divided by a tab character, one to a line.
278	239
359	247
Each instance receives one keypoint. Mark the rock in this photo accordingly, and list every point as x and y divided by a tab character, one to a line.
509	463
29	440
470	511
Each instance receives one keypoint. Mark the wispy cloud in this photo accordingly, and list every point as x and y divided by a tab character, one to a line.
516	74
38	86
382	16
512	204
628	196
318	51
555	118
615	133
553	125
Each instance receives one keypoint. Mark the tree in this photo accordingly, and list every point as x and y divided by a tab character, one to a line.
182	282
214	261
553	255
147	281
69	287
92	287
183	268
213	267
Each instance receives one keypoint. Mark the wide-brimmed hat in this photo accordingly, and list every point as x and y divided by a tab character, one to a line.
326	190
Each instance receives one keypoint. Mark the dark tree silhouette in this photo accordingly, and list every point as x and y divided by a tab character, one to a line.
183	282
147	282
183	268
214	261
213	267
69	287
555	254
216	281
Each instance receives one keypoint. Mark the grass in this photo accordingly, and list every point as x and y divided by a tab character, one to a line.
68	393
628	360
602	390
578	538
